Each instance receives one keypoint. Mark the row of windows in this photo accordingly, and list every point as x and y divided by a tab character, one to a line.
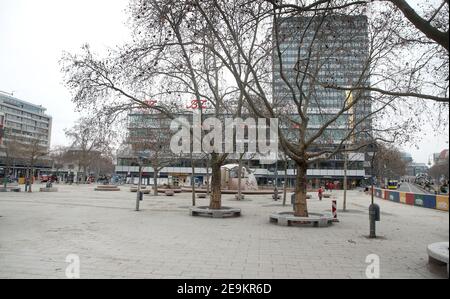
25	115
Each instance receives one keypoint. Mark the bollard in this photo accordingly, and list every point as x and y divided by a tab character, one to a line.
374	215
334	210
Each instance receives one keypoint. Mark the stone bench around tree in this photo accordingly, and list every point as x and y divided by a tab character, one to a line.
288	219
47	189
107	188
239	197
169	193
438	253
10	189
224	212
201	195
144	190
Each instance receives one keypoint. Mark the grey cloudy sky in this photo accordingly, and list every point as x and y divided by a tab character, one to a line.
33	35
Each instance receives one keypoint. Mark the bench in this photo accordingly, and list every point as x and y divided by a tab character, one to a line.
46	189
169	193
201	195
288	219
224	212
239	197
438	254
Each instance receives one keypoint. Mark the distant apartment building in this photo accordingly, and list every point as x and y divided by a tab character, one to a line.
441	158
23	123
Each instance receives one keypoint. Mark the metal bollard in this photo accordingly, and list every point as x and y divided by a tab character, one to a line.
374	215
334	210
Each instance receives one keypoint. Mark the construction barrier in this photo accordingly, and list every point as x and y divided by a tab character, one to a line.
438	202
442	203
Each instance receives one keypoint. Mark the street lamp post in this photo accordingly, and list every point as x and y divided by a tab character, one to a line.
374	209
276	180
139	193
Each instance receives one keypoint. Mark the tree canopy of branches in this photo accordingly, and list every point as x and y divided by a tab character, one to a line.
91	139
233	55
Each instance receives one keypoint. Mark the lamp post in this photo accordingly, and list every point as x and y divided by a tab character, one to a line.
374	209
139	193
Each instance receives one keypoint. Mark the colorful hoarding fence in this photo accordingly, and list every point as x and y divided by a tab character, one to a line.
430	201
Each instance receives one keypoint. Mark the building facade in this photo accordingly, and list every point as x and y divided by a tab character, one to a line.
27	125
314	53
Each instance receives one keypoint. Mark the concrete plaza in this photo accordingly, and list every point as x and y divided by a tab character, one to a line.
39	230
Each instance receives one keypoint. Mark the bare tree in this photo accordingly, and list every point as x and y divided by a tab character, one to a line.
416	51
186	49
149	138
91	137
10	150
32	153
389	162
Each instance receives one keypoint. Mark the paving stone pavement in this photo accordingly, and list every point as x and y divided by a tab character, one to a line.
38	231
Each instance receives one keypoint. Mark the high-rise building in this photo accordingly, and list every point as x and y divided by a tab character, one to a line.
314	55
25	124
24	121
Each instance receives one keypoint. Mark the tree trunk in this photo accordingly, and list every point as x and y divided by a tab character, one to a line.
300	205
207	178
5	178
155	182
240	178
285	181
193	180
216	195
344	207
31	176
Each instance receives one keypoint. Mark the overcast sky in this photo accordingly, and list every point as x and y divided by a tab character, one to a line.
33	35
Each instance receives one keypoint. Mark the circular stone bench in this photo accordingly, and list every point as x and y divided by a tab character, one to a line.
288	219
241	197
107	188
201	195
52	189
438	253
143	190
224	212
169	192
10	189
326	195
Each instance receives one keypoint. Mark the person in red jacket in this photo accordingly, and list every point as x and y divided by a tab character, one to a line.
320	192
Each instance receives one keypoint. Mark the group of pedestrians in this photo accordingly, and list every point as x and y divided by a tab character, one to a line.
329	186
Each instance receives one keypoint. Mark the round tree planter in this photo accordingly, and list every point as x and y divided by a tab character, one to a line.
438	253
10	189
169	193
241	197
288	219
107	188
48	189
276	197
201	195
224	212
144	190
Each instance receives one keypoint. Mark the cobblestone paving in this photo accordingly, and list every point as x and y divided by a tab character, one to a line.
38	231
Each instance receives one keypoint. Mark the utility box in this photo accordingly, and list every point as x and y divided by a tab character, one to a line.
374	212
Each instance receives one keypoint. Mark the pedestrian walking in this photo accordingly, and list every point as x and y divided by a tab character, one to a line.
320	192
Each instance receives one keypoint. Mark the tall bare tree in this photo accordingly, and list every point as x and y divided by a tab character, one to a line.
91	137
